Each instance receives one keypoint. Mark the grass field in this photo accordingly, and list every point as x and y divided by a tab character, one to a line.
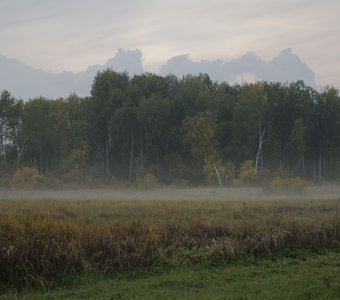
145	249
307	277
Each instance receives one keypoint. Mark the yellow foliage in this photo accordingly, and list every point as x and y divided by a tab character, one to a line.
148	181
295	184
25	177
247	172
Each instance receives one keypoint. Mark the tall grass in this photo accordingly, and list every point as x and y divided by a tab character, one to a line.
39	246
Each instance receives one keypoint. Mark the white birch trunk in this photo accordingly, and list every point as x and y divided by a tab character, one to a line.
218	175
131	155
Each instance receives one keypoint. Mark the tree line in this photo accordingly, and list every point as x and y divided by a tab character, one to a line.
188	130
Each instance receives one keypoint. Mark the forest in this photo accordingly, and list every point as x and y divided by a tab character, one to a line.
187	131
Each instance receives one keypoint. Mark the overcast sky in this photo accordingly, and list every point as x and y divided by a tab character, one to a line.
69	35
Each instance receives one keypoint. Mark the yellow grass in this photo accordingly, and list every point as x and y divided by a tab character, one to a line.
43	240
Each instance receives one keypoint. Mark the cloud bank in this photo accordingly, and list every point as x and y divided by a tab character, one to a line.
27	82
286	67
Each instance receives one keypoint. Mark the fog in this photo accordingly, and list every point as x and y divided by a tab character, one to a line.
173	193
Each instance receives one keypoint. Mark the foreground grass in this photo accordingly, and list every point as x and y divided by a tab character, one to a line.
311	277
170	249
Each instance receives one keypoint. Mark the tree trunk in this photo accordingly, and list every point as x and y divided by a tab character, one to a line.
21	153
3	145
320	166
46	164
131	155
109	137
303	167
107	157
259	157
141	154
69	127
218	175
41	161
108	148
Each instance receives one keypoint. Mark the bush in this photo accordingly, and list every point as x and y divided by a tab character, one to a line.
295	185
26	177
226	170
148	181
247	173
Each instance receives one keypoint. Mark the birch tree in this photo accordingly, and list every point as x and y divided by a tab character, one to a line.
10	118
199	134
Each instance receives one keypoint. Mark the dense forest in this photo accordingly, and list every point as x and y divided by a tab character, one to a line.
176	131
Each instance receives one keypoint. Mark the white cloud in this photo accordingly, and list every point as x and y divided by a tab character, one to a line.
245	78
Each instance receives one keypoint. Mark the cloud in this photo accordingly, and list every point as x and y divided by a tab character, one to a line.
286	67
59	35
27	82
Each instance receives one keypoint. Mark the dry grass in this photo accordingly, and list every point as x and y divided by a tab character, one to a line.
40	241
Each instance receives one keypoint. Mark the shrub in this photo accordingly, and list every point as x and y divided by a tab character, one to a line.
210	172
295	185
230	171
77	159
26	177
247	173
148	181
226	170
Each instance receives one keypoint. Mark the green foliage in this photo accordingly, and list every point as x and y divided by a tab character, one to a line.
132	126
296	142
10	127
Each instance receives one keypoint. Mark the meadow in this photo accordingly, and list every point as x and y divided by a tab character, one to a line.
147	248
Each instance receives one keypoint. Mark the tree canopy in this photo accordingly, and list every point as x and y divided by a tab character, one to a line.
173	128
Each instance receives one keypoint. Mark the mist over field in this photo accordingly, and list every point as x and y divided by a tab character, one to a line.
170	193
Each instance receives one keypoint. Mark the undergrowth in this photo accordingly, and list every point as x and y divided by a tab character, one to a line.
39	249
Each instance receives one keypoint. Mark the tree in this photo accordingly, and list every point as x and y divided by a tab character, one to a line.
323	133
10	120
39	129
73	130
109	91
199	134
249	123
124	128
154	116
296	145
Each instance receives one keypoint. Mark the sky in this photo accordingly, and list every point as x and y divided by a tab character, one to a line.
72	34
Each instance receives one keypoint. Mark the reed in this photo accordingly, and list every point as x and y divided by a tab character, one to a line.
40	248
